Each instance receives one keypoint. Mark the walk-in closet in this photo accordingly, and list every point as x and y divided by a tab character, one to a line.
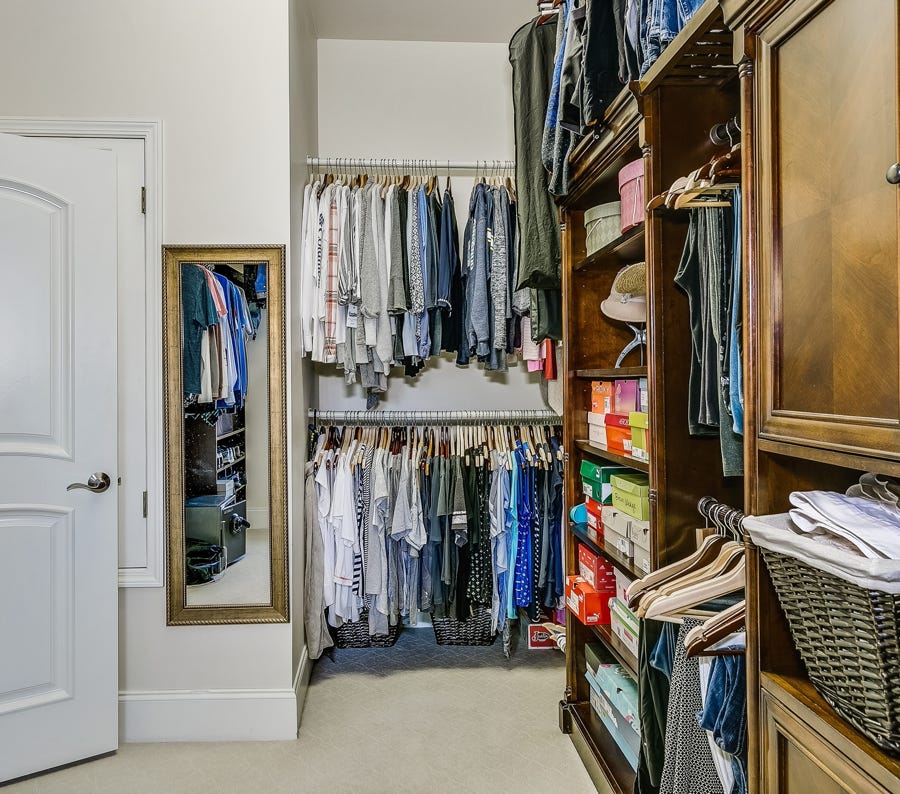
474	396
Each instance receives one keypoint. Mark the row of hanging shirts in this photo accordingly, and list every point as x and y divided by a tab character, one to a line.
385	282
218	321
447	520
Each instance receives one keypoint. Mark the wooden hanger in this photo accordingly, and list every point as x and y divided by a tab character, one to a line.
700	640
674	605
729	556
704	555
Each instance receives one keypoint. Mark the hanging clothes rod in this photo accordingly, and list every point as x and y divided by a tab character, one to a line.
394	165
418	418
723	516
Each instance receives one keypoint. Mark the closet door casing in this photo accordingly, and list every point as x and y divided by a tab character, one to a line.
829	330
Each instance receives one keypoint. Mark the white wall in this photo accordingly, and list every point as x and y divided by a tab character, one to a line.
216	73
303	141
431	100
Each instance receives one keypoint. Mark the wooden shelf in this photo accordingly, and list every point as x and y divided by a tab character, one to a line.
618	649
626	248
615	457
833	457
620	562
229	435
612	372
229	465
599	751
702	51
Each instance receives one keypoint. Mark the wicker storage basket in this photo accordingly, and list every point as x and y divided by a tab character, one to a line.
849	639
475	630
356	634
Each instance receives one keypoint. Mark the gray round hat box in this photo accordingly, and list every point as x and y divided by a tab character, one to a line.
603	224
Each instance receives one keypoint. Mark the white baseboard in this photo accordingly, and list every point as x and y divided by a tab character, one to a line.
258	517
301	682
214	715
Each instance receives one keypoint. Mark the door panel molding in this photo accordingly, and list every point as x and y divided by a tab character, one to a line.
53	682
153	574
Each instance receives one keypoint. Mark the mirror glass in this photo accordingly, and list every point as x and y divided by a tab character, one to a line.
227	538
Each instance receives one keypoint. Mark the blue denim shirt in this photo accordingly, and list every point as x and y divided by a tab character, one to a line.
661	22
725	713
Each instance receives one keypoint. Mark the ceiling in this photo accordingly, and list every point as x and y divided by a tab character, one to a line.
420	20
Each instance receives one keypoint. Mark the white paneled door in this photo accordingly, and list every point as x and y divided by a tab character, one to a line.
58	495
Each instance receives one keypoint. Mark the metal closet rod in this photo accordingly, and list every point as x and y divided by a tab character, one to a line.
400	418
395	164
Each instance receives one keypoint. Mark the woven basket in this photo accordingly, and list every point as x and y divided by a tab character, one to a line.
849	639
475	630
356	634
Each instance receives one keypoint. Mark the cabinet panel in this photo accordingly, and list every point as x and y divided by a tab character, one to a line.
798	758
827	104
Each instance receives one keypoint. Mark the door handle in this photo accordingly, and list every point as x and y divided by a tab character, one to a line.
893	174
98	482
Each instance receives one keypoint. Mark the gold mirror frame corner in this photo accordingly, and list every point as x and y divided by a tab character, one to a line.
178	613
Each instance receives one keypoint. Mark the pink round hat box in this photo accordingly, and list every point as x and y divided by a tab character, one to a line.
631	192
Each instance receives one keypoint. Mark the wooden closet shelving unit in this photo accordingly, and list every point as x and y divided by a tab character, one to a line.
821	329
666	120
822	391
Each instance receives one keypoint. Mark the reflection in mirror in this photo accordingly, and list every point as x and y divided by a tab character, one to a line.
226	487
225	405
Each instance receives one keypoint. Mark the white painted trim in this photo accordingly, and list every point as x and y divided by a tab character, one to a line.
213	715
258	517
301	682
152	575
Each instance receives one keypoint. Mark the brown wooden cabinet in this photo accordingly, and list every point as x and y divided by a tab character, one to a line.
822	334
826	97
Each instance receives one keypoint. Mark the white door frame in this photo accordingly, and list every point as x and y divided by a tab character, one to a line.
153	574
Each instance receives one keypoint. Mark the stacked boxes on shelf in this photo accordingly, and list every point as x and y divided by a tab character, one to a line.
597	489
614	698
588	596
613	404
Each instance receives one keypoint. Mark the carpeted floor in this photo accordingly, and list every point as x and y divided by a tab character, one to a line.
414	718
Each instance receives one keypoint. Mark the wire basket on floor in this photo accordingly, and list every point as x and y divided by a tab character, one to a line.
475	630
356	634
849	639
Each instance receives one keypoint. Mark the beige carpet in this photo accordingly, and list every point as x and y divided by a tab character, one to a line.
415	718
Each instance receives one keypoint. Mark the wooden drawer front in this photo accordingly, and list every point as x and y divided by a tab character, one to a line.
829	327
796	759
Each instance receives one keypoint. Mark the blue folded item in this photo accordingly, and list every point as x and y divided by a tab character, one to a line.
579	514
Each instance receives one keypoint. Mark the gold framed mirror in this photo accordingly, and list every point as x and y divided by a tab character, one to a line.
226	434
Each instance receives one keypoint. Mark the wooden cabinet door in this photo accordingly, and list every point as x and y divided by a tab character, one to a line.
829	328
798	759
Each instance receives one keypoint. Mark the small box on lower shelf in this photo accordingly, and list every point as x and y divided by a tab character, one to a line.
598	572
590	606
614	700
624	625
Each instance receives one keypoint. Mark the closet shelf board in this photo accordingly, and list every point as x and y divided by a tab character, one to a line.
618	561
615	457
599	751
618	649
625	249
624	99
229	435
702	49
229	465
612	372
833	457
